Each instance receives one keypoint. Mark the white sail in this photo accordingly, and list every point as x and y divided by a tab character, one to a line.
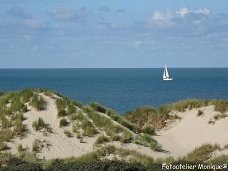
166	74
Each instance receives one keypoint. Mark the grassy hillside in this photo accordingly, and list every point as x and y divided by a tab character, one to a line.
147	116
79	122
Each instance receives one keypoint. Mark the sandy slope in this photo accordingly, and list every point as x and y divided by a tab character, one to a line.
181	138
193	131
61	145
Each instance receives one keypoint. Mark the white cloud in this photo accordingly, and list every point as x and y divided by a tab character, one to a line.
172	18
183	12
203	11
161	19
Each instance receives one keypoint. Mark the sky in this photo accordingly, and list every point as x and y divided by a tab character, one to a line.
113	33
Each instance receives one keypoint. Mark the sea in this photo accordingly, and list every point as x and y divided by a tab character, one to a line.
122	89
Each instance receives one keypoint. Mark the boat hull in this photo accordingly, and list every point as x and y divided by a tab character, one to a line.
167	79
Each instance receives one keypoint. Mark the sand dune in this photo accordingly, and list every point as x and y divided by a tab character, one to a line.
193	131
180	138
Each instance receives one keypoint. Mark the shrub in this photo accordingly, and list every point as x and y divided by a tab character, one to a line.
40	124
200	112
147	140
126	137
88	128
60	104
116	137
63	122
62	112
142	115
97	107
149	130
14	164
38	102
71	109
101	139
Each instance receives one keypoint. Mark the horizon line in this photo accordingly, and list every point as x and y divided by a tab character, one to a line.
117	68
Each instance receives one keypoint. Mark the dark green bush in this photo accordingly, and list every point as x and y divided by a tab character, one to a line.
62	112
63	122
149	130
15	164
97	107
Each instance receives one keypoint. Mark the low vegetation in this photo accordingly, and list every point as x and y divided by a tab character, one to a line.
149	116
38	102
148	141
199	113
82	126
91	120
63	122
101	140
202	153
66	107
157	117
106	125
41	125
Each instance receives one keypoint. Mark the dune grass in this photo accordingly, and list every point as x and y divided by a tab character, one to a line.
66	107
82	126
38	102
202	153
97	107
101	140
105	124
157	117
40	124
148	141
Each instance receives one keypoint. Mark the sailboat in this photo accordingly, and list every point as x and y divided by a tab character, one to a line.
166	75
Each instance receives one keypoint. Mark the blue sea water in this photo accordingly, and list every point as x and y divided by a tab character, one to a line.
122	89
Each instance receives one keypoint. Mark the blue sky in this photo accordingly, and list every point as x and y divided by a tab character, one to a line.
117	33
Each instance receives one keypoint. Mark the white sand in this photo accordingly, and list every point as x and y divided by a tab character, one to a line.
61	145
193	131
